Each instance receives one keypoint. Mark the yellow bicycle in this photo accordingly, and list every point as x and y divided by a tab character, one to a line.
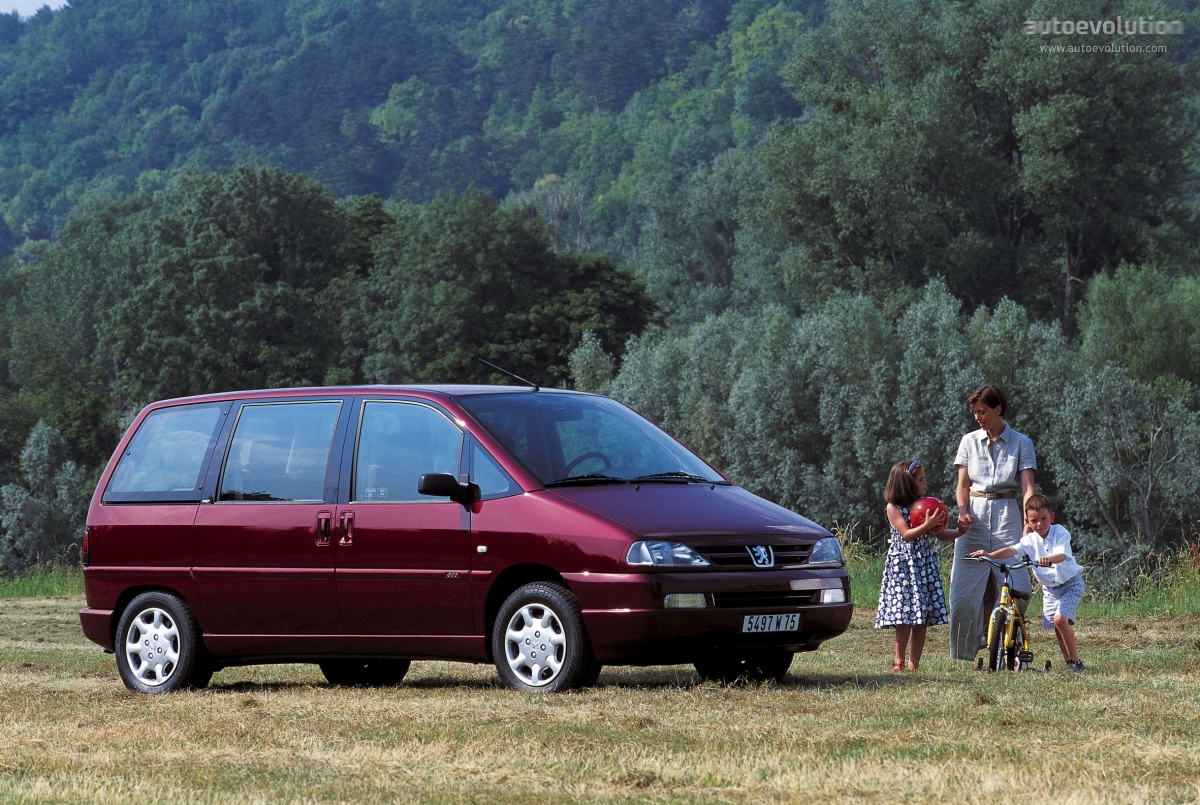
1008	638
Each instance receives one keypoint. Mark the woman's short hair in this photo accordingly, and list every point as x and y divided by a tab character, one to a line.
991	396
901	489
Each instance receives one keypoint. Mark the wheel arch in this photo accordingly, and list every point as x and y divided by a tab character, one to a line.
131	593
509	580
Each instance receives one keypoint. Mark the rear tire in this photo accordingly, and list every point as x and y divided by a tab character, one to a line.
1018	644
202	672
375	673
758	666
157	643
996	654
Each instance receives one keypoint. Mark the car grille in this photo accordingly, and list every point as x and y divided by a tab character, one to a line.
770	598
738	556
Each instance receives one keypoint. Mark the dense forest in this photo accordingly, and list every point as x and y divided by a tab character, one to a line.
796	232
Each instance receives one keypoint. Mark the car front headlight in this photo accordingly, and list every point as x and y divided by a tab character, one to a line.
653	553
826	550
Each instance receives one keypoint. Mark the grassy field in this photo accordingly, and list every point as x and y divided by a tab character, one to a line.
840	727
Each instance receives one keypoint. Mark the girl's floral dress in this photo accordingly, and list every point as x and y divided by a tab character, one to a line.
911	593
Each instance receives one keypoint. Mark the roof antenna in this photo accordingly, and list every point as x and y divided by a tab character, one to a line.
510	374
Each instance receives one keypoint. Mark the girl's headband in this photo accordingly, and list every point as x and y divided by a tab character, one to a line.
913	466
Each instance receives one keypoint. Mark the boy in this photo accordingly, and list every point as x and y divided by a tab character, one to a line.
1060	575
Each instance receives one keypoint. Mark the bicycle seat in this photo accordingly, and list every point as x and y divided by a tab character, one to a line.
1024	596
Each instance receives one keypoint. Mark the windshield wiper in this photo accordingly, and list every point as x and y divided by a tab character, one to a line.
586	480
673	477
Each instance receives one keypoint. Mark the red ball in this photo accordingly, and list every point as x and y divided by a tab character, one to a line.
923	508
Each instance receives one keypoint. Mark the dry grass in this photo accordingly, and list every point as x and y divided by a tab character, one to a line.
841	727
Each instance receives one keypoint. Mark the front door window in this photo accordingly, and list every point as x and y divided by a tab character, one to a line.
397	444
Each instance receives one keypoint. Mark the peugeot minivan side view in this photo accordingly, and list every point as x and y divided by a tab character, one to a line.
549	532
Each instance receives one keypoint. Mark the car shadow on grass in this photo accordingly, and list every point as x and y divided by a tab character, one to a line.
687	681
446	683
616	678
815	681
249	686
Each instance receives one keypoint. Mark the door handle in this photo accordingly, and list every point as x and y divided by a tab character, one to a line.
324	521
347	529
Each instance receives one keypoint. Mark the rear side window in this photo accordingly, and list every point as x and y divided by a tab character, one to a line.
280	452
165	458
397	444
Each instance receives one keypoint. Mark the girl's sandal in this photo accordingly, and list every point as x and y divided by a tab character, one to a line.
897	667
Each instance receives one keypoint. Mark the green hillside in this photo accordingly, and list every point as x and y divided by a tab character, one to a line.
405	98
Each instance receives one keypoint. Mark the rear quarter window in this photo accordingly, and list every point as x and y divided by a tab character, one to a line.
164	460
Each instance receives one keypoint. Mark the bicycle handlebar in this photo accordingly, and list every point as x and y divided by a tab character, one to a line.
1026	562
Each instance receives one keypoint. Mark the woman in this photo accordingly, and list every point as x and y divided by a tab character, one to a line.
995	478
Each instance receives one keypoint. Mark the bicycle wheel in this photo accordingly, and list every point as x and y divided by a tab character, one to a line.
996	655
1017	644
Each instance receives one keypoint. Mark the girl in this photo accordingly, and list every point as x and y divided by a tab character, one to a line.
911	596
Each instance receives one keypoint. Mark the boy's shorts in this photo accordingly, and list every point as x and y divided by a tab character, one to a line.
1062	600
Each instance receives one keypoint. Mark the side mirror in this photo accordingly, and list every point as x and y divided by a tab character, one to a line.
445	485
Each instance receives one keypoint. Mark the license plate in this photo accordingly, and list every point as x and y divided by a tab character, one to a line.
771	623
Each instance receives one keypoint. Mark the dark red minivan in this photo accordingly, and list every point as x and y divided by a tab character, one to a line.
549	532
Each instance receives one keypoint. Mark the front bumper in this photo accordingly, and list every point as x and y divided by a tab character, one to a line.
628	624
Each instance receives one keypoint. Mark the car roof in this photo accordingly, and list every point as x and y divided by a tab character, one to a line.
432	391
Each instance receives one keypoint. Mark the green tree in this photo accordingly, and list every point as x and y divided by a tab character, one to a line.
940	140
688	246
1146	320
42	519
591	367
231	295
56	361
464	278
1101	138
757	55
1127	458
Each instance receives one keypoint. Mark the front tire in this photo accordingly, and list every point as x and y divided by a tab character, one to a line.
539	641
158	644
756	667
996	653
375	673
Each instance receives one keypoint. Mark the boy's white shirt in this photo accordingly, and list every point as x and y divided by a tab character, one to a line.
1057	540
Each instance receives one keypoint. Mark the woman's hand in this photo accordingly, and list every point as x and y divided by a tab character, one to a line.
964	522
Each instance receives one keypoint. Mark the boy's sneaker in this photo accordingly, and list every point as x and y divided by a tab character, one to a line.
1074	665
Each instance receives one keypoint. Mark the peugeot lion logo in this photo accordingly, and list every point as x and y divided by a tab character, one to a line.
761	555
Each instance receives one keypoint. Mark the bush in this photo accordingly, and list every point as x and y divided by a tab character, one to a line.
42	519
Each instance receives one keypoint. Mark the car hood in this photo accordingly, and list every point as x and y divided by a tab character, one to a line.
660	511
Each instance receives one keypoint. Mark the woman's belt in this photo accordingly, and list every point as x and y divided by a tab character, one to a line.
994	495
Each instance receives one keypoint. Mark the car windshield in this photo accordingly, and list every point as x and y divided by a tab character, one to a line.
578	439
